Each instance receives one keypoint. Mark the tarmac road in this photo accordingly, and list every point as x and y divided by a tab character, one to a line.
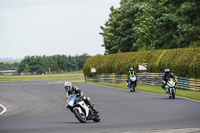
39	107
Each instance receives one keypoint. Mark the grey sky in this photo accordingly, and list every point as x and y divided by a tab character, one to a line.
49	27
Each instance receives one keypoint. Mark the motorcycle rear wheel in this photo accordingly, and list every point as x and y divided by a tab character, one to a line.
97	118
133	87
79	116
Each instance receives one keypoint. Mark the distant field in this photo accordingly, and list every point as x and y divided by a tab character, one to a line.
69	75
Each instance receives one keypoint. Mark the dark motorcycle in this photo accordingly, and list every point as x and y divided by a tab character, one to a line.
132	83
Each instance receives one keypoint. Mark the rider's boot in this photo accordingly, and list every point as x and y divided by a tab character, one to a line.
129	85
165	89
92	107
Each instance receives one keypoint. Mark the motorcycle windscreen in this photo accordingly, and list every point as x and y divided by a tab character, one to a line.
71	101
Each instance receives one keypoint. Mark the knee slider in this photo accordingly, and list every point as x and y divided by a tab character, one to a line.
88	98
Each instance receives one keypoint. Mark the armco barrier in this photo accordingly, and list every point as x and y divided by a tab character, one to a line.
118	78
146	78
183	83
194	84
96	78
107	78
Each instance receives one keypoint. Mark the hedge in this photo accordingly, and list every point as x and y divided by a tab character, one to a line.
182	62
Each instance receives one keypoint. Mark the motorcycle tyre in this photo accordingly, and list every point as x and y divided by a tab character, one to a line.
133	87
97	118
77	115
173	94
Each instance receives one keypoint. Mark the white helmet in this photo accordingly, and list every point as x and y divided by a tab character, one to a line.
68	86
167	70
131	69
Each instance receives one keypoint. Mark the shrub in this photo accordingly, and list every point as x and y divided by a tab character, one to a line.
182	62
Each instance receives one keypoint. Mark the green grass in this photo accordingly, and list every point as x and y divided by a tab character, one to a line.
73	82
195	95
70	75
1	109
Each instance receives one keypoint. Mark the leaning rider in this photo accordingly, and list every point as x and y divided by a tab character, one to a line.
70	91
130	73
166	77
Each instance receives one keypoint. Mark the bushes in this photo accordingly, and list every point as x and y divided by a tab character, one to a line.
182	62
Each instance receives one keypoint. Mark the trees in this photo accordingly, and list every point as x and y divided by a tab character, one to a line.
50	63
152	24
8	66
82	59
56	63
33	65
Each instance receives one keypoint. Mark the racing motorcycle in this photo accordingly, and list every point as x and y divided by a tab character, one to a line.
81	110
170	88
132	83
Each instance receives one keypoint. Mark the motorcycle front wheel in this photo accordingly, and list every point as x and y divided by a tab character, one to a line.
133	87
80	116
173	94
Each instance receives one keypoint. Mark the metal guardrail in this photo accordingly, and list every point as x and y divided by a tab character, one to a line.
194	84
183	83
147	78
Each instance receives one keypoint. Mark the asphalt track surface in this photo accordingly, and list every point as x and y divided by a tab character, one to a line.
39	107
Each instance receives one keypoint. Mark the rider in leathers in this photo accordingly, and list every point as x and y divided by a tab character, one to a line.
131	72
75	90
166	77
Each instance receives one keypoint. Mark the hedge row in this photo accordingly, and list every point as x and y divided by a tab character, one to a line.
182	62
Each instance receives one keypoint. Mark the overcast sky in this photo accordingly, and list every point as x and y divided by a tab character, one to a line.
50	27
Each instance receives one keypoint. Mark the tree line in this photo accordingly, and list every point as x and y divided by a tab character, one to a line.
54	64
9	66
139	25
44	64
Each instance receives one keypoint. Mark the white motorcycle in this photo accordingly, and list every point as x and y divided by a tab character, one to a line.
170	88
81	110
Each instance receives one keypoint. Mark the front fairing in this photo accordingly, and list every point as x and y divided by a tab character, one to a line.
71	102
133	78
171	84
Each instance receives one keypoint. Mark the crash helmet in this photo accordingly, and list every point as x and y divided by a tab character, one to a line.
166	70
68	86
131	69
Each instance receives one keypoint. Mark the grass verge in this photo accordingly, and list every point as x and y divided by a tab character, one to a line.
72	81
1	109
70	75
191	94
